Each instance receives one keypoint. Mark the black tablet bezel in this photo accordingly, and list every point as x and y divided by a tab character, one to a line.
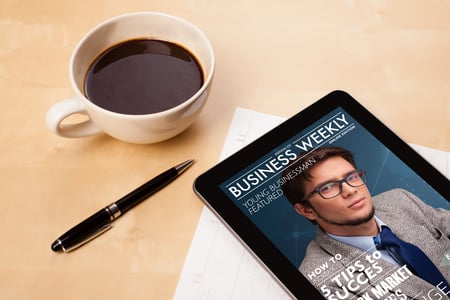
206	186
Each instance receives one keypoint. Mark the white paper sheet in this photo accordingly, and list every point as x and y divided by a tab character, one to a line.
218	266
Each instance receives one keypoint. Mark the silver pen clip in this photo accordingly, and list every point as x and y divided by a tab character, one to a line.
95	234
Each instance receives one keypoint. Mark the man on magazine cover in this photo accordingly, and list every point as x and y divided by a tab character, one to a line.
390	246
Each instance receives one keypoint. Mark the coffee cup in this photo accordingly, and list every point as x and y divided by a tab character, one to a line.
141	77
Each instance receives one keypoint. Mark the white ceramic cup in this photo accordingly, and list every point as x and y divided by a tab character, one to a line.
145	128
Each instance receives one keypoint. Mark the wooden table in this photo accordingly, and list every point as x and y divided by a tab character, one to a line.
276	57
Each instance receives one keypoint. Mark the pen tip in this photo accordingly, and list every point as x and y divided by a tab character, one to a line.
183	166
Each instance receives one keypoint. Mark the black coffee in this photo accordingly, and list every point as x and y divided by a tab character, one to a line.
143	76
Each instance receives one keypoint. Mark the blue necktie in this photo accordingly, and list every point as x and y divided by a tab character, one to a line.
417	261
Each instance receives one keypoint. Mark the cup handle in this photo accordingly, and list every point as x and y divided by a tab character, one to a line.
60	111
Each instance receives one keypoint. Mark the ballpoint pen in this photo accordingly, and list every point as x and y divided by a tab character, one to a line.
101	221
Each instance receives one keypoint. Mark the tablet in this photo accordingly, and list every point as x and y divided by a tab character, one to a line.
312	197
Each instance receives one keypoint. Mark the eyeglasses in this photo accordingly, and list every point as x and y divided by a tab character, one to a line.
333	188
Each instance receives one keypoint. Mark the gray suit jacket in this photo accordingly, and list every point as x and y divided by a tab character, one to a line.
358	274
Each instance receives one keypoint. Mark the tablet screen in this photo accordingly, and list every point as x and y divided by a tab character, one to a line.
314	194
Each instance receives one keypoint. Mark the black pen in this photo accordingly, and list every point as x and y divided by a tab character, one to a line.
99	222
